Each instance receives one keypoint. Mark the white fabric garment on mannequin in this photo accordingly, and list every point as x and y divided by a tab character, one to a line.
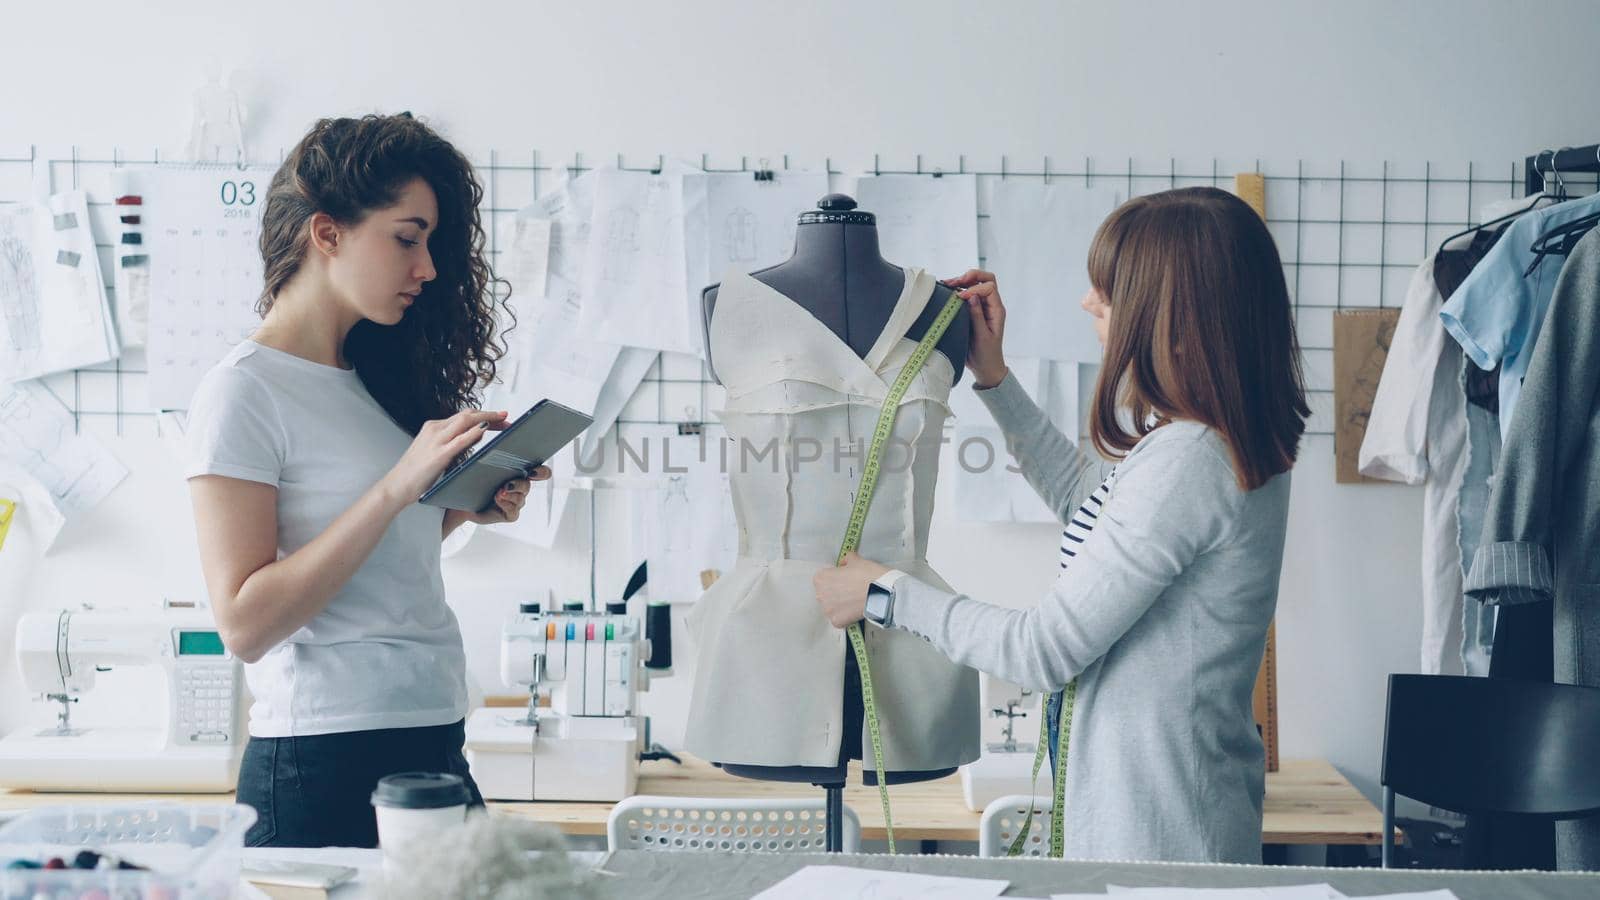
769	677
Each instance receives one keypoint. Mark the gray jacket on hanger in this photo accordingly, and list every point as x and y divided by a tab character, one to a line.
1542	527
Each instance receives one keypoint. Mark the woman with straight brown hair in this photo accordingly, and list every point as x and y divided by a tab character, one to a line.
1170	559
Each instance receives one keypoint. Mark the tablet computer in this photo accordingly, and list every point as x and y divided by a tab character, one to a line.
515	452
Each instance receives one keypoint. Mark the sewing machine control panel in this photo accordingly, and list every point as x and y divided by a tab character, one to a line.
206	681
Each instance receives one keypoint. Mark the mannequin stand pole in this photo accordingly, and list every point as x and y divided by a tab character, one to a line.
834	819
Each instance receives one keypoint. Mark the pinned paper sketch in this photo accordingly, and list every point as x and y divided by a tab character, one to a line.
549	354
526	258
988	483
216	124
1039	251
201	228
539	524
731	219
690	529
515	392
54	315
969	410
626	376
634	283
923	221
67	474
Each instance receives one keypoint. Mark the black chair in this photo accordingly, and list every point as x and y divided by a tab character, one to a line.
1491	745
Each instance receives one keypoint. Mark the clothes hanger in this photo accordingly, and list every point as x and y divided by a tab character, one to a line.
1560	240
1544	194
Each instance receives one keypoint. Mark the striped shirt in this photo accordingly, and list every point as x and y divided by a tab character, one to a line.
1082	521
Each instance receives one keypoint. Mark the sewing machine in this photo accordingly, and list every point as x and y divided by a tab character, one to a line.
195	748
581	735
1006	766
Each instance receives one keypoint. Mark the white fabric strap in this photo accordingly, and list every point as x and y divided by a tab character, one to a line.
913	298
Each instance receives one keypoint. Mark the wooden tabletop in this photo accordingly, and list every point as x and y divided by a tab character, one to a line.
1307	802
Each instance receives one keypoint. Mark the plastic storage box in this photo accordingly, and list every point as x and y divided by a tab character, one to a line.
192	852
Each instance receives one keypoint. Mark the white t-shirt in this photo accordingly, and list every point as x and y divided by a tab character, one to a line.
386	651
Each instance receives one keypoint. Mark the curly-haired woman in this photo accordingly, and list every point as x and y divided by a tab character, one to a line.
310	443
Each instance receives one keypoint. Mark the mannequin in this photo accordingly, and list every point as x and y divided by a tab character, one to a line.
837	275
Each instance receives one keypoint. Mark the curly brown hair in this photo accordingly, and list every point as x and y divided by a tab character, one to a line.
431	364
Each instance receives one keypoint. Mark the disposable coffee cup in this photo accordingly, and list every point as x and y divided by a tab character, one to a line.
415	805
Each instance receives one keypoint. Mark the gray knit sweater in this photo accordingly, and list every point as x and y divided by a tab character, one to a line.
1162	617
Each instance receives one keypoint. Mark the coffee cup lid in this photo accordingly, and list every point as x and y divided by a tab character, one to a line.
421	790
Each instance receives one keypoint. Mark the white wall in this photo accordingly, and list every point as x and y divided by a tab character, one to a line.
1447	82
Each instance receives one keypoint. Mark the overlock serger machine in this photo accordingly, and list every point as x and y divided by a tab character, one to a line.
581	735
195	747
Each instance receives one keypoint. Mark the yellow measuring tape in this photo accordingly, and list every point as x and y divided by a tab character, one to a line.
1057	830
8	508
858	521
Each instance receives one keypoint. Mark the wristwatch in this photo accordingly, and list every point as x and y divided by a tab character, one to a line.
880	598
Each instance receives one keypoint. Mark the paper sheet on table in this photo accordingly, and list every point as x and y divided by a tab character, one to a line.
690	526
988	487
1039	249
201	231
731	219
54	314
1440	894
927	222
63	475
845	883
635	278
1281	892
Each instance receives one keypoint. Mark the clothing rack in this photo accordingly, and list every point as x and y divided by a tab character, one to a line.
1565	161
1522	637
1523	634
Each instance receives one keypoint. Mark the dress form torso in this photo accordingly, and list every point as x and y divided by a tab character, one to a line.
837	274
838	277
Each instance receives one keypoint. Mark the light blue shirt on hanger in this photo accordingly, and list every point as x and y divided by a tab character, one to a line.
1496	313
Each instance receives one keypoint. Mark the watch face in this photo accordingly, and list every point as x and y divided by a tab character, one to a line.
877	603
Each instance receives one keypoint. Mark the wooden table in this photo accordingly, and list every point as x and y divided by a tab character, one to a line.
1307	802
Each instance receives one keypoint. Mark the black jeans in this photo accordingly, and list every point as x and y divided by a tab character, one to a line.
316	791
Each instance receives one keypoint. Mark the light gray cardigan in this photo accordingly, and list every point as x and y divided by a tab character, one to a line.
1163	619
